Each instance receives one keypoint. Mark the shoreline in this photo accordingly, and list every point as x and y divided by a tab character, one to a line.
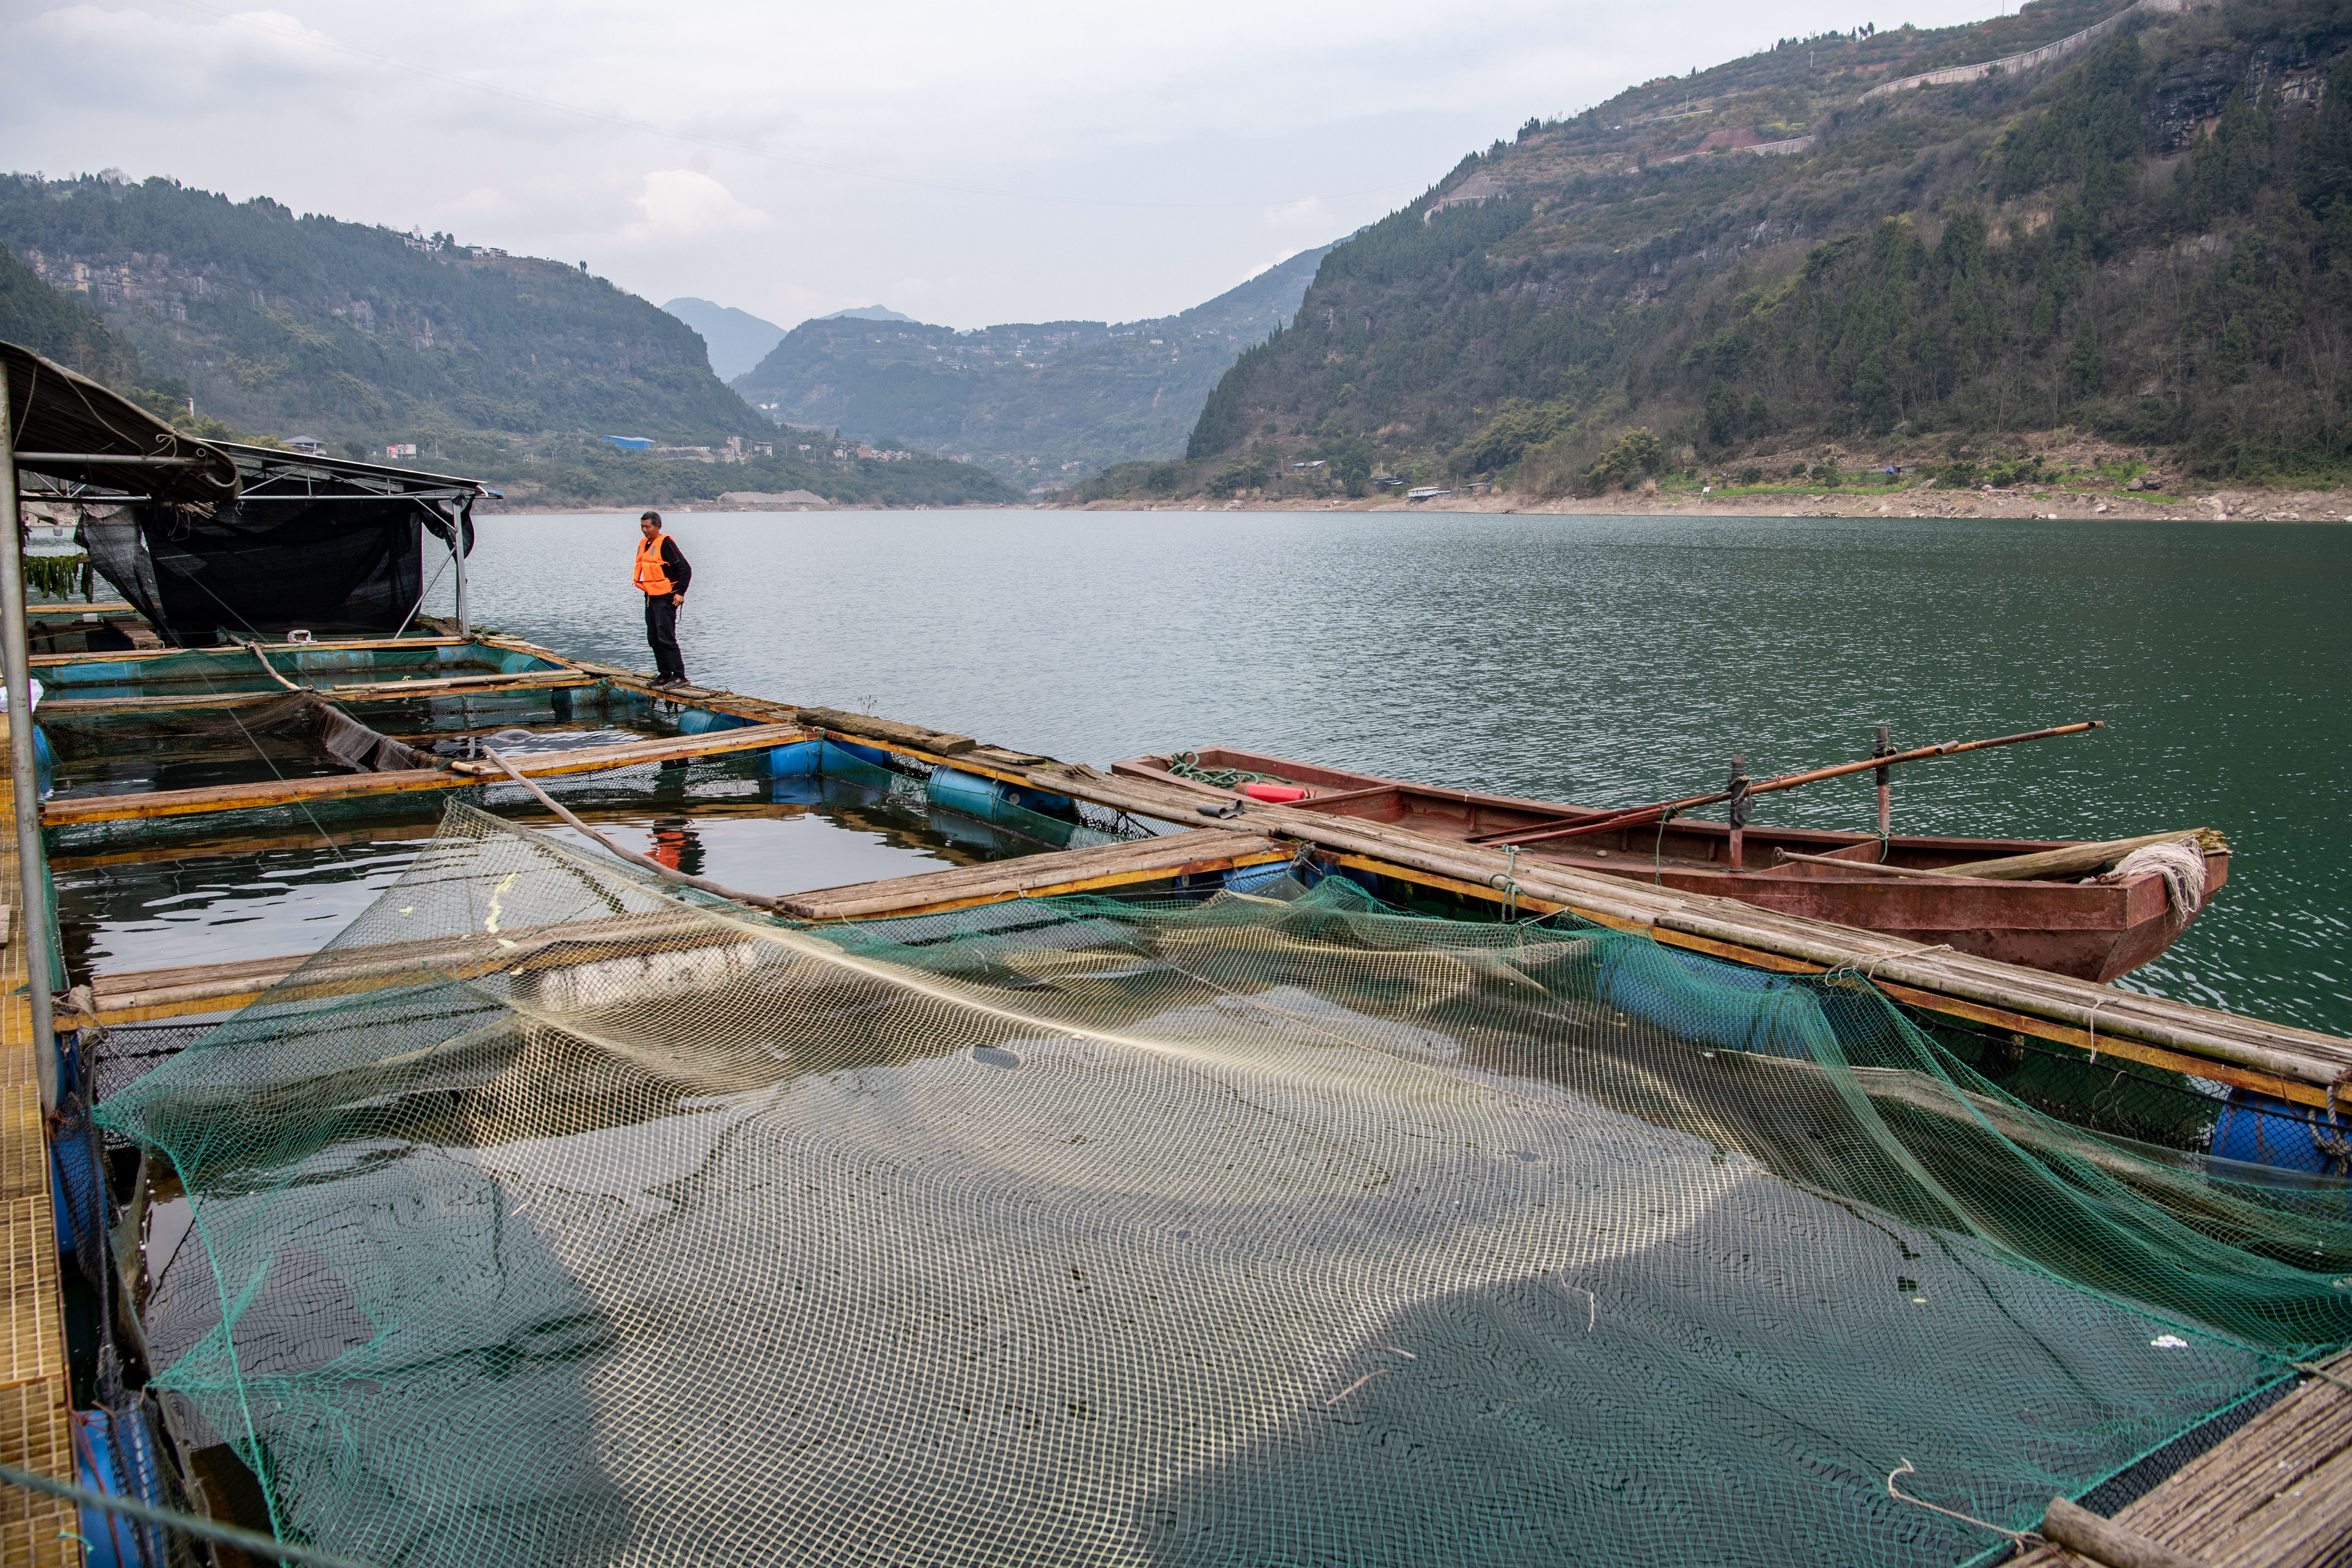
2218	505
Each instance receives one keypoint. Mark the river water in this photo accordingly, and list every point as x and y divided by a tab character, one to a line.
1601	659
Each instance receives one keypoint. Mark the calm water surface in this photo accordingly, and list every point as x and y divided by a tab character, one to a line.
1597	660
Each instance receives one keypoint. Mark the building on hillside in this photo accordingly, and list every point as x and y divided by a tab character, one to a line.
632	443
308	445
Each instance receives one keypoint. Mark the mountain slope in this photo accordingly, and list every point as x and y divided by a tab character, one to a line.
51	322
2150	238
1039	402
737	340
355	334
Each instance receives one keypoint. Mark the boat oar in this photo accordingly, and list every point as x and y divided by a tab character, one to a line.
1642	815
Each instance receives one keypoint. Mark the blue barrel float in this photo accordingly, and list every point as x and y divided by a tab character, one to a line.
2260	1130
794	760
991	800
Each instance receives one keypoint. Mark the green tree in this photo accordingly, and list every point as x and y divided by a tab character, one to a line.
2088	369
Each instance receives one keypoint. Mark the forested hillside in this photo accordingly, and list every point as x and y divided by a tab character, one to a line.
51	322
307	325
2148	241
507	367
1041	403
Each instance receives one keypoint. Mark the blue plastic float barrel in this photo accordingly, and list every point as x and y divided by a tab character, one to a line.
988	799
797	760
2260	1130
1714	1003
1253	878
705	721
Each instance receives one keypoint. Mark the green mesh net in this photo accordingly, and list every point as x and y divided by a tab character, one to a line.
545	1218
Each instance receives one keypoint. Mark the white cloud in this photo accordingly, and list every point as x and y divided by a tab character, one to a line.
682	204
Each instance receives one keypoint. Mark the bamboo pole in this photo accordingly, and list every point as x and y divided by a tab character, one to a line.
2077	859
1642	815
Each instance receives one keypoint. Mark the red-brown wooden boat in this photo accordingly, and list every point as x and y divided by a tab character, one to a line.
2090	929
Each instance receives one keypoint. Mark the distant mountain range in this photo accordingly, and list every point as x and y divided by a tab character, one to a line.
866	313
1043	404
362	335
2091	218
737	340
240	317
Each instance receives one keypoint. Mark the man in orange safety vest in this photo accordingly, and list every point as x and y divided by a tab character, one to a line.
662	576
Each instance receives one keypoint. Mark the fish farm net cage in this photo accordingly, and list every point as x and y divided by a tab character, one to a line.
555	1217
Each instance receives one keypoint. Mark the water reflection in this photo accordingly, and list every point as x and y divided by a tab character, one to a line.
292	889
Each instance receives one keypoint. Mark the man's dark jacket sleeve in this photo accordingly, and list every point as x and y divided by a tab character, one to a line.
674	565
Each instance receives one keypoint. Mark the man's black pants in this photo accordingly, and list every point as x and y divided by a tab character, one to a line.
661	635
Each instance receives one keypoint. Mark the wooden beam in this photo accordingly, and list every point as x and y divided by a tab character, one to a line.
349	786
1192	853
142	995
76	609
238	650
529	680
369	692
406	830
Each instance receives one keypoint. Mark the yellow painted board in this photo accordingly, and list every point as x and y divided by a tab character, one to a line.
35	1432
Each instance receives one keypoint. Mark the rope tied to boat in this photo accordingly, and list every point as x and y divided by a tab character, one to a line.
2333	1147
1507	879
1187	765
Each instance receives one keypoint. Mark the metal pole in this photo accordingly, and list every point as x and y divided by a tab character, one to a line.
458	552
1736	790
32	886
1886	777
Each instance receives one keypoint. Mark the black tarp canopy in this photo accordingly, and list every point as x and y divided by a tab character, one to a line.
333	547
219	541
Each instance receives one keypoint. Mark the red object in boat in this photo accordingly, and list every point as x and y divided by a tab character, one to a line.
2090	930
1276	795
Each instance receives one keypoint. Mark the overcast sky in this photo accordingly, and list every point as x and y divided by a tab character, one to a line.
964	163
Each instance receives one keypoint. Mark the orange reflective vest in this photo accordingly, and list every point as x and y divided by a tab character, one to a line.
651	579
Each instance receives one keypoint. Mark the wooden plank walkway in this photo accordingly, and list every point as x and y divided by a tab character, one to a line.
2276	1493
459	776
36	1433
1190	853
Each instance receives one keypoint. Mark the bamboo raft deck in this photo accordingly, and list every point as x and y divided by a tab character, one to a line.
36	1410
2276	1493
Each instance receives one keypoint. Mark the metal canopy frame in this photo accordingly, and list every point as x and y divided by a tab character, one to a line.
67	427
73	435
